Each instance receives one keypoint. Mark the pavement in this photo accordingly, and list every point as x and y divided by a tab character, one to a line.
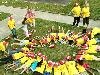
19	13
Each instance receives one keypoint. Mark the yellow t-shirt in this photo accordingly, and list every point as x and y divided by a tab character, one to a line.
95	31
2	47
25	49
91	42
76	11
85	12
53	34
38	59
48	68
80	68
71	67
64	69
57	71
11	24
30	20
80	41
41	69
92	49
29	62
61	35
18	55
24	59
48	39
88	57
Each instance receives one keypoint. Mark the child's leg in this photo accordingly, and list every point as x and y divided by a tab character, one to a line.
23	70
11	67
20	67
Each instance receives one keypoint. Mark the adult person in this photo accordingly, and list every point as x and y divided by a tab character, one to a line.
12	27
76	11
86	14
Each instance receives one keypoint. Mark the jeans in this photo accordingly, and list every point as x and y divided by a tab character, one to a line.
10	52
47	73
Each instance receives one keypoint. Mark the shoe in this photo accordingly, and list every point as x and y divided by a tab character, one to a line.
73	25
77	26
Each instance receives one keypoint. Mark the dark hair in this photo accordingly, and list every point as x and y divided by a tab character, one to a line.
80	62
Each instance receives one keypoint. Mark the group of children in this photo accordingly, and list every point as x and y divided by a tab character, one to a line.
29	20
84	13
26	59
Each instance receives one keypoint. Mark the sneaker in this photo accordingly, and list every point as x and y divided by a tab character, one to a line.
77	26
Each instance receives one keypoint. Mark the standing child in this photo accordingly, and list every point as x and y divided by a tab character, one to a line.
30	17
11	25
86	14
76	12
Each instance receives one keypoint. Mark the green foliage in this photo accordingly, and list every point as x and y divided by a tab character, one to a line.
56	8
3	15
54	54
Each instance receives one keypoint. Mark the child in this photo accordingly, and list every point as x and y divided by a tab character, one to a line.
63	68
76	12
57	70
86	14
40	68
26	65
71	65
30	17
49	67
11	25
80	68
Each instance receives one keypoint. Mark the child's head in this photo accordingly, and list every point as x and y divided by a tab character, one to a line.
50	63
62	62
56	64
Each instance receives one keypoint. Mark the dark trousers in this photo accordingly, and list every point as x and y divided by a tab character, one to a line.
86	20
6	60
76	21
14	33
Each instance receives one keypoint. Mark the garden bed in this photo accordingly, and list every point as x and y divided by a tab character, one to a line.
42	27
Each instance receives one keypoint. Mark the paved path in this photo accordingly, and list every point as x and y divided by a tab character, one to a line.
19	13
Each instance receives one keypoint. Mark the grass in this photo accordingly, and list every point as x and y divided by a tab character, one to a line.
56	54
3	15
55	8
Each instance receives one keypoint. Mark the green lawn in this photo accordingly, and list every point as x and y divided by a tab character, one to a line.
3	15
60	51
56	8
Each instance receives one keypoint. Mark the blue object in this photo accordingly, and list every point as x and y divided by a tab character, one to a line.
47	73
33	66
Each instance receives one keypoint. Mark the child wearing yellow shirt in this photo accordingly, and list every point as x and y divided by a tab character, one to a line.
72	70
76	11
49	67
63	68
26	65
86	14
57	70
11	25
81	68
